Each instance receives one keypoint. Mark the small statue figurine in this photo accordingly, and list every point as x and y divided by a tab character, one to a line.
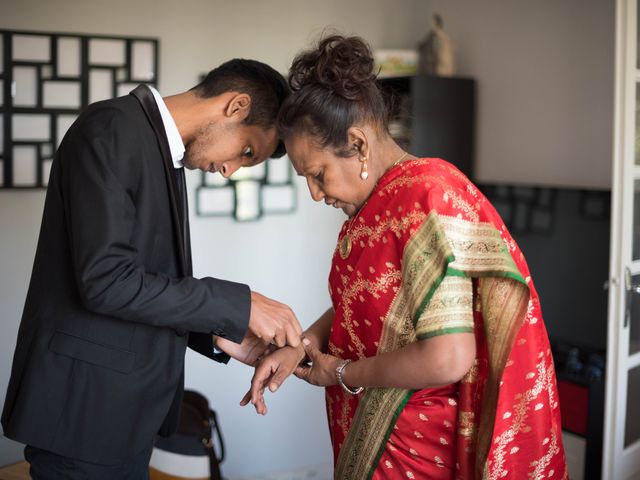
436	51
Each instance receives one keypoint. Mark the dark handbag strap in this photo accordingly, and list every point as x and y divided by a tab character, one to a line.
214	427
199	422
214	460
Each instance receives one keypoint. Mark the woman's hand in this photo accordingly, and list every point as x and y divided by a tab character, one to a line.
322	369
272	371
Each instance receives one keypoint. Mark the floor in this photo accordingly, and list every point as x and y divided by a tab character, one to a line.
17	471
20	471
320	472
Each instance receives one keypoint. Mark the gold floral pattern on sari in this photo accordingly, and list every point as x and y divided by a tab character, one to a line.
425	259
353	288
524	406
461	204
426	222
397	226
472	374
466	424
344	420
403	181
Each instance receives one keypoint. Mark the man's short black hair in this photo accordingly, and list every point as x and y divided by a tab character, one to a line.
266	87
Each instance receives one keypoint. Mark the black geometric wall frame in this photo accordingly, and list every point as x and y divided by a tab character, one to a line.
524	209
249	193
47	79
595	205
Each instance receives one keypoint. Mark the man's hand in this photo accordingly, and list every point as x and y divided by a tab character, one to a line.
273	322
248	352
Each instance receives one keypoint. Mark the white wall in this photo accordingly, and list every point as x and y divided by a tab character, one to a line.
286	257
544	72
20	215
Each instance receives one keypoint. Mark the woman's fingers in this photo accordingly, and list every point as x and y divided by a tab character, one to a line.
245	400
312	352
302	373
261	406
278	378
260	379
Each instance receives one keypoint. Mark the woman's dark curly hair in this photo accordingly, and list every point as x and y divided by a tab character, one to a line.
334	87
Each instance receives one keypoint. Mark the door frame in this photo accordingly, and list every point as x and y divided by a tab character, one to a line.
616	463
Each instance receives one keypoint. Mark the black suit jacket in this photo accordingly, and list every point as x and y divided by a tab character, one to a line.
111	307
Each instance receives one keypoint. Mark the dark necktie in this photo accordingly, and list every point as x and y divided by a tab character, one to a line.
183	207
180	187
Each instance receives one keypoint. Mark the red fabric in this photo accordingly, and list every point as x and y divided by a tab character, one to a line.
526	439
423	442
574	405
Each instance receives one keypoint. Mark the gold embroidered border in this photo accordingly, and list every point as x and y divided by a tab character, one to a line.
504	306
379	406
449	310
368	432
466	424
476	250
424	263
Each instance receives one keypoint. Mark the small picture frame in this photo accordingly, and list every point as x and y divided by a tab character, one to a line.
396	63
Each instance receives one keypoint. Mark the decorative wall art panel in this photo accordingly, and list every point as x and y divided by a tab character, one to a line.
47	79
249	193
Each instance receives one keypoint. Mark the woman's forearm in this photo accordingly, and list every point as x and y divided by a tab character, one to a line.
318	333
427	363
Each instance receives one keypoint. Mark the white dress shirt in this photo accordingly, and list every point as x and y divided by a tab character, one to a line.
176	147
173	135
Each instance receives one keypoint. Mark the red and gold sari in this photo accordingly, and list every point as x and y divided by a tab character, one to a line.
431	256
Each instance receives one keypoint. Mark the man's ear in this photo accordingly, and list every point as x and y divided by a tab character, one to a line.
239	106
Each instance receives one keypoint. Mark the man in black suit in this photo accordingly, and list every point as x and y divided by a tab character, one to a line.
112	304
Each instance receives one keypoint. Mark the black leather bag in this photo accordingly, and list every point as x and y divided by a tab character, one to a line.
195	436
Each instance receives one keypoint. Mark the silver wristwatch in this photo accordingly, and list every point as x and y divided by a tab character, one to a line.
339	375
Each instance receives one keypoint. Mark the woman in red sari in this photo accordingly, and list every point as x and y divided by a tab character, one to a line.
434	355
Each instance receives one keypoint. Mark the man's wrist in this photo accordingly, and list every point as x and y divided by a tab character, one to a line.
216	349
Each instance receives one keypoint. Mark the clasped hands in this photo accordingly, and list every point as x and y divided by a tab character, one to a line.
274	365
274	345
304	361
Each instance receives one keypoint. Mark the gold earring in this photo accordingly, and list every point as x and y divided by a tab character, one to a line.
364	172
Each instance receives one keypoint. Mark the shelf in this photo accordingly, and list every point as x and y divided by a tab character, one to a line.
433	116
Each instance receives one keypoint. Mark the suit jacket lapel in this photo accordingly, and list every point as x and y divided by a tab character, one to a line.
148	102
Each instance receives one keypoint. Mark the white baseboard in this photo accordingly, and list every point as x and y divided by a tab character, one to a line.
318	472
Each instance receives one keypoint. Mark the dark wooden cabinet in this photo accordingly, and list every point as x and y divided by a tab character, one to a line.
434	117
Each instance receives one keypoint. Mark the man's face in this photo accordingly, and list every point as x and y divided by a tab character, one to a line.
227	146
